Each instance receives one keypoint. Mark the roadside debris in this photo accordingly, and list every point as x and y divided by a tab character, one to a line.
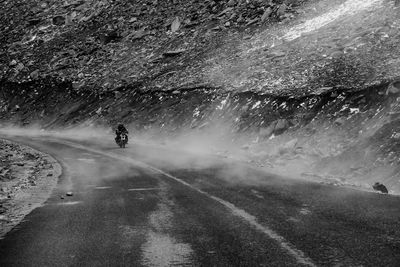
380	187
23	174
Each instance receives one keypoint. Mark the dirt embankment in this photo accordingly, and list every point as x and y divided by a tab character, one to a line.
27	177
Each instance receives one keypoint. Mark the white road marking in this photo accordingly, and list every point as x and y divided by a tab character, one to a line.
102	187
69	203
252	220
143	189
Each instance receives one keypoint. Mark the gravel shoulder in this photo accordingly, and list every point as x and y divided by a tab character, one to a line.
27	177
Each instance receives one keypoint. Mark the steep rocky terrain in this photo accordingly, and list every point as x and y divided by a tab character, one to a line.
307	88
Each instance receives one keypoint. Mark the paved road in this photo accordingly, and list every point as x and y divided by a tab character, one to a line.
164	213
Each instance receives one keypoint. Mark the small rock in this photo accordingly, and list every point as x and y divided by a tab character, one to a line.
34	74
231	3
19	67
251	22
13	63
62	197
59	20
69	194
276	54
380	187
339	121
49	174
266	132
393	88
78	85
175	25
291	145
281	126
281	10
245	147
225	11
112	36
266	14
173	53
396	136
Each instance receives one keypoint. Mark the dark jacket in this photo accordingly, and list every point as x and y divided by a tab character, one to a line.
120	130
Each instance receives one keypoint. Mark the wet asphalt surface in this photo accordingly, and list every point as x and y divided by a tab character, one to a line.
123	213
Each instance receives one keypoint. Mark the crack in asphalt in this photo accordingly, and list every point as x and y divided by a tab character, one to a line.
299	255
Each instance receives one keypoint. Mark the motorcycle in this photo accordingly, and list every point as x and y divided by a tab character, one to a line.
122	140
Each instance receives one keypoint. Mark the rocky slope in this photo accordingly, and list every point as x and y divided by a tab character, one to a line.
308	88
102	45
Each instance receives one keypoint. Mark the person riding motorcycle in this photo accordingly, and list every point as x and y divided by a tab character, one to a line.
121	130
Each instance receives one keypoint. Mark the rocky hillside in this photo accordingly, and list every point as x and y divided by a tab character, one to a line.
105	44
309	88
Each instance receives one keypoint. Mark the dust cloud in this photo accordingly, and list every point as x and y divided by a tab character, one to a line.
213	148
232	156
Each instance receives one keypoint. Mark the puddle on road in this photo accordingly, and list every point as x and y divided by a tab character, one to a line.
162	250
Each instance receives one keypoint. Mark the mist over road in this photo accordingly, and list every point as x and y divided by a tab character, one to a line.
131	208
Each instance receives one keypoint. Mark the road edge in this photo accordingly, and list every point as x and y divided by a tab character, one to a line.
28	199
